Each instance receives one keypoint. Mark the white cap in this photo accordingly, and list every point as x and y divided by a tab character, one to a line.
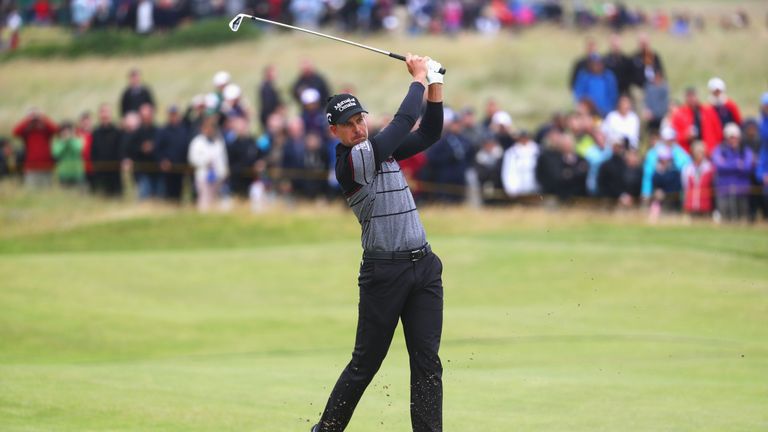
309	96
232	92
668	134
211	100
716	84
731	129
198	100
221	78
502	118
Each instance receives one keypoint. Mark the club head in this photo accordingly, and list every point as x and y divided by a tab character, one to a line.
235	23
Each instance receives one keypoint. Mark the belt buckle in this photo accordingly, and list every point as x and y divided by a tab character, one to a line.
417	254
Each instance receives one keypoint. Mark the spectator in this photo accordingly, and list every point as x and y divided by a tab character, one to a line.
620	64
518	170
488	167
448	160
623	123
208	157
172	149
145	16
233	105
43	12
310	78
106	155
696	121
491	107
194	115
307	13
665	183
596	84
242	154
503	129
667	145
726	109
619	178
142	151
36	132
293	156
314	166
750	138
646	62
84	130
697	179
82	12
581	63
734	166
561	172
221	80
269	98
312	114
68	152
10	160
470	129
136	94
761	170
595	155
14	22
166	15
656	101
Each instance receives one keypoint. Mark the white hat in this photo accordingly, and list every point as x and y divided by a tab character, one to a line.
221	78
198	100
716	84
731	129
502	118
668	134
232	92
310	96
211	101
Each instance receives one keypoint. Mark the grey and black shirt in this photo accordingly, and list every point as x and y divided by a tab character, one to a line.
372	183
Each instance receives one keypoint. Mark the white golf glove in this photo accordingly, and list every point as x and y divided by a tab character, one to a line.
433	76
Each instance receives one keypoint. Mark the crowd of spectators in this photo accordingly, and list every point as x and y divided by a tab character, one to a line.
418	17
625	143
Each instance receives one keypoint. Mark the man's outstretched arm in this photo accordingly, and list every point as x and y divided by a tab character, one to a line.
391	137
429	130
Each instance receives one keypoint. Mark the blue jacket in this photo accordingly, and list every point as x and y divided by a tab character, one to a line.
679	157
601	89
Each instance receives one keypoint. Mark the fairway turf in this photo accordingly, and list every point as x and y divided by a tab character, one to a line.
171	321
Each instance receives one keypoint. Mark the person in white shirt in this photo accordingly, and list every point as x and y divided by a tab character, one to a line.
208	156
623	123
518	169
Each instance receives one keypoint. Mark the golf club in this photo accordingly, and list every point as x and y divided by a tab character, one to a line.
236	21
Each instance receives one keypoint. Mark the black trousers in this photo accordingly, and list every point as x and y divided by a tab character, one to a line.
390	291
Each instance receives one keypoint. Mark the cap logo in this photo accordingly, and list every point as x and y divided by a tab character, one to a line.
329	117
343	105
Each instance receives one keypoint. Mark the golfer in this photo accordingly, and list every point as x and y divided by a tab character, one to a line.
400	277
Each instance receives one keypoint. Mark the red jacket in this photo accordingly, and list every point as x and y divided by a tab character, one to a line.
697	186
731	106
87	138
711	129
37	143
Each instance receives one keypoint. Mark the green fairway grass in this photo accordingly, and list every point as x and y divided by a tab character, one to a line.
127	319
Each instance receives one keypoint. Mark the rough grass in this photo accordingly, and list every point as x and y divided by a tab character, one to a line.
527	73
166	320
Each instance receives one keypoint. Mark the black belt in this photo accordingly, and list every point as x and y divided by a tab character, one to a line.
413	255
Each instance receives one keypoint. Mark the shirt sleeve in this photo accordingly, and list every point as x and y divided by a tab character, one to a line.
389	139
363	163
428	133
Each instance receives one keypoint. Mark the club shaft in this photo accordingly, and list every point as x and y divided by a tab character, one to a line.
370	48
338	39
